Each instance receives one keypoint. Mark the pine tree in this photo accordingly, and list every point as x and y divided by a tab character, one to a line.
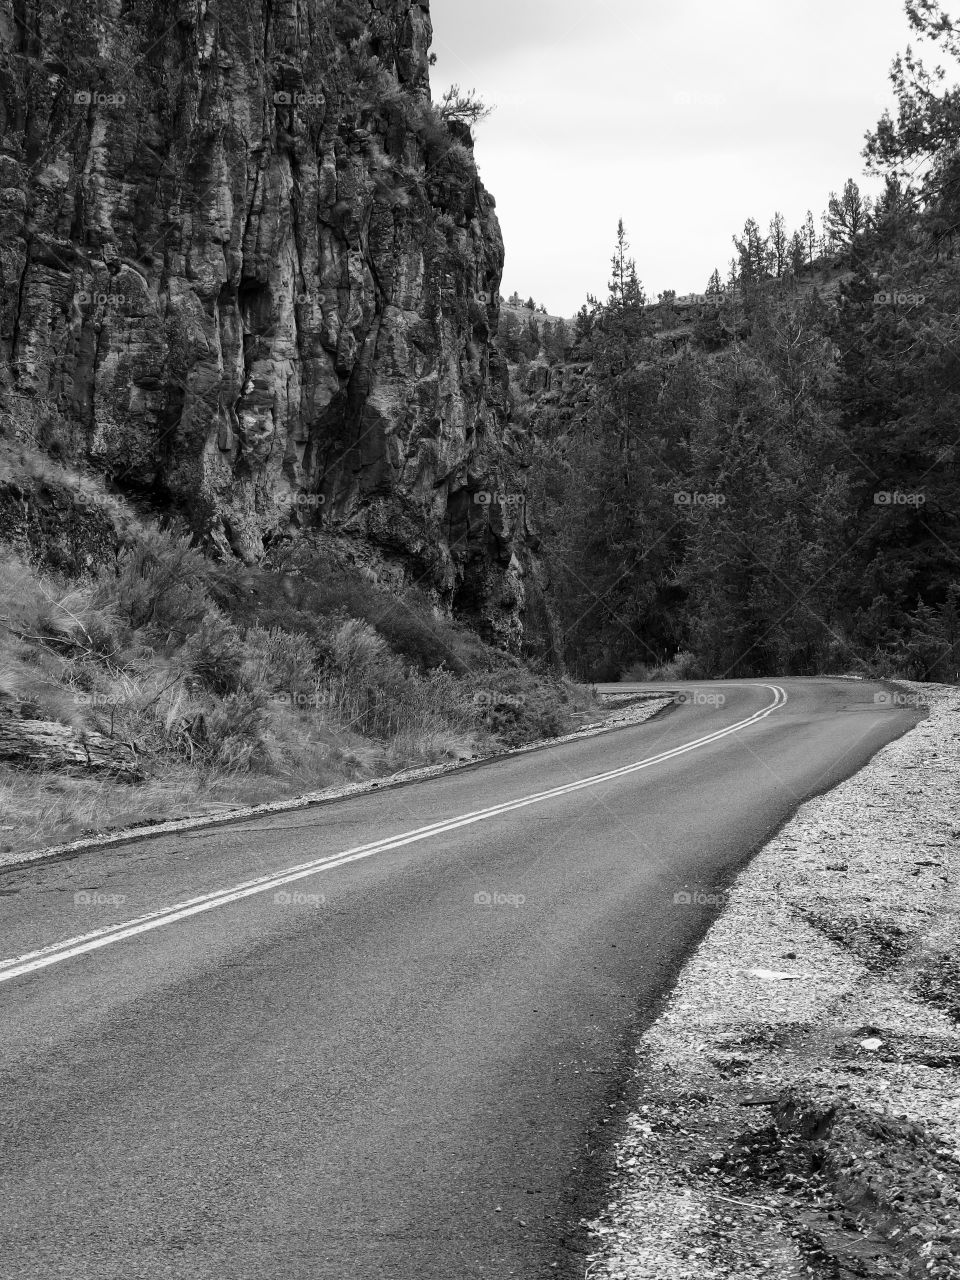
751	256
798	253
508	335
778	245
622	267
846	216
809	234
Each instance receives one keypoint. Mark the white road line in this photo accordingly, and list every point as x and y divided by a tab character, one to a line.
71	947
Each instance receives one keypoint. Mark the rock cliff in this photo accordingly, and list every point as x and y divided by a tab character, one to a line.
254	273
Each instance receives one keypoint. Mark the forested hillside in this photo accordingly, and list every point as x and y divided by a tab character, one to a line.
766	479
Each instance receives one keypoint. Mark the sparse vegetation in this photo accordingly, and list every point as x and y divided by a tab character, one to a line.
464	106
234	684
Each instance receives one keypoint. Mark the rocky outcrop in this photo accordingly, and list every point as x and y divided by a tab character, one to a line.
255	273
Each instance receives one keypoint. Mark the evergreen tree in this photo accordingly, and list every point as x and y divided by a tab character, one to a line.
798	253
846	217
751	255
809	233
778	253
584	323
508	335
555	341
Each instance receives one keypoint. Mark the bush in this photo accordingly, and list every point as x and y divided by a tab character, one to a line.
419	638
234	731
682	666
356	647
161	586
282	661
516	707
215	655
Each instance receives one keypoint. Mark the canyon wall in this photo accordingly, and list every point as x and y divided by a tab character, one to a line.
254	274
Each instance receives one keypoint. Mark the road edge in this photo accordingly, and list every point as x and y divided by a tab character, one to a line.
618	719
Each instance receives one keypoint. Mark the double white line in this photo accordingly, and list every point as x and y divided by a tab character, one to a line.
59	951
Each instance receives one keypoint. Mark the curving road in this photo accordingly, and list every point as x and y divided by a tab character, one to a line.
386	1037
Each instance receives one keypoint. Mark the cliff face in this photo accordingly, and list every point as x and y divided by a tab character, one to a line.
255	273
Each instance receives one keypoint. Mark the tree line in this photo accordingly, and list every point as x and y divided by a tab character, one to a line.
775	488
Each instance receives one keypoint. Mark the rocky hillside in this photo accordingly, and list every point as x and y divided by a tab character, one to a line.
248	274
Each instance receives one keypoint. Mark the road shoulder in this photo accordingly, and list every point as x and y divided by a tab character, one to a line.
798	1100
616	713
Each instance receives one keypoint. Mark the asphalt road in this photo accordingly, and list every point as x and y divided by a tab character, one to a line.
361	1068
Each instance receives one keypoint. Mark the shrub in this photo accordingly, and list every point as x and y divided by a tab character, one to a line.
418	638
283	661
234	731
682	666
215	655
356	648
161	585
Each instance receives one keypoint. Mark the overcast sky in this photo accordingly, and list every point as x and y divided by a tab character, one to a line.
684	117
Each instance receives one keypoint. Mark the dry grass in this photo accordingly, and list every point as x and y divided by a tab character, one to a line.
230	704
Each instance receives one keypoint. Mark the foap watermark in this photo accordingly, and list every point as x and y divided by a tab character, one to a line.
497	899
688	498
105	700
700	698
94	98
91	898
896	498
890	299
111	301
894	698
490	498
303	501
685	300
298	98
699	895
295	698
285	898
93	500
489	698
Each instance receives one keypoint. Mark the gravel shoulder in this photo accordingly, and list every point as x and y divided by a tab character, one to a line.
798	1100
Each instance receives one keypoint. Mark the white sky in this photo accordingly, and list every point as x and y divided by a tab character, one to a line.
589	126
